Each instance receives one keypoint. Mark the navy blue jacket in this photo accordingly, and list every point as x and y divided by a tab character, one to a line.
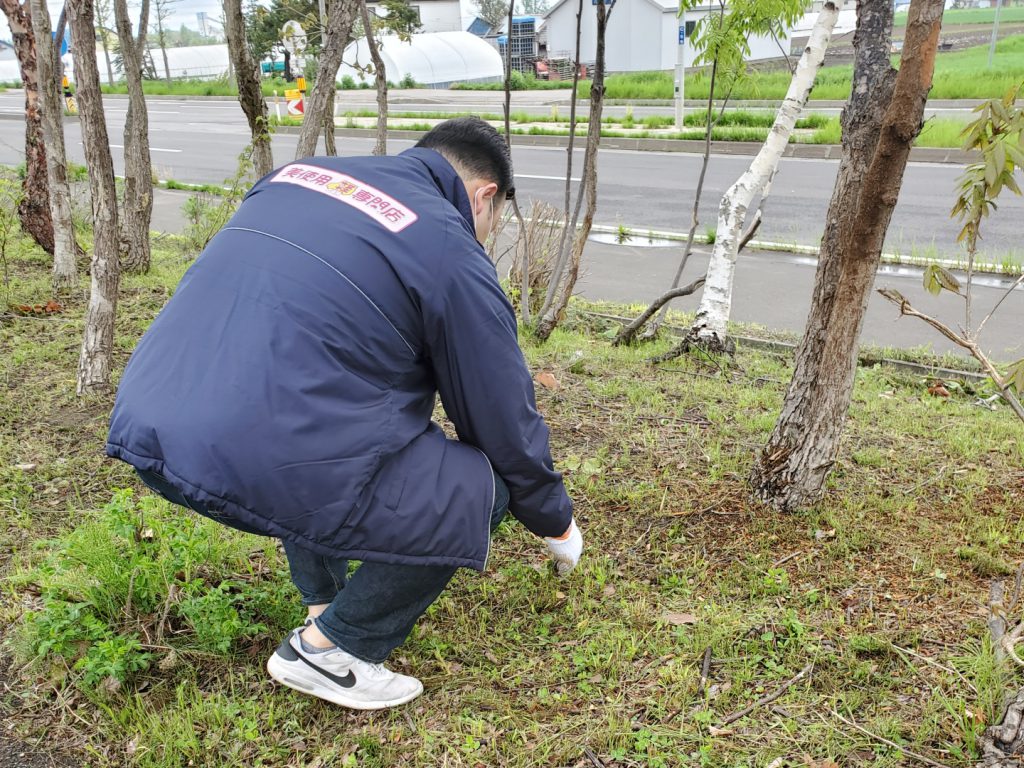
289	383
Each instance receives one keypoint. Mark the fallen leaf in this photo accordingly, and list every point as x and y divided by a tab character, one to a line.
937	390
111	685
608	591
25	467
679	619
719	731
548	381
821	535
560	595
596	679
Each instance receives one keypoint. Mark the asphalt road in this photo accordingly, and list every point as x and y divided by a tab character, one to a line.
199	142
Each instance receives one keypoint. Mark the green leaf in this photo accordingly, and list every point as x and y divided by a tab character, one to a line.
999	110
1015	376
999	155
990	170
1015	154
931	280
946	279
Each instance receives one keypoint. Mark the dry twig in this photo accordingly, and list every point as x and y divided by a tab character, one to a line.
769	698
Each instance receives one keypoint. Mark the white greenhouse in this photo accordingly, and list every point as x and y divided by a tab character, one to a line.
435	60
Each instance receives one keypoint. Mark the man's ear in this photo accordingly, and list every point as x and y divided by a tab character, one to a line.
490	192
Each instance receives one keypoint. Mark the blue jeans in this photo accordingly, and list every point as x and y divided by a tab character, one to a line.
370	613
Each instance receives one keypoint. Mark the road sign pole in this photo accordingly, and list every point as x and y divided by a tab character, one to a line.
681	76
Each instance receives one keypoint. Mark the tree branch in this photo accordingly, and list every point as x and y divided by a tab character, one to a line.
971	346
770	697
1010	290
626	334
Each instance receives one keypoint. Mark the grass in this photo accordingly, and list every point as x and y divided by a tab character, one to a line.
953	17
522	669
958	75
733	125
208	87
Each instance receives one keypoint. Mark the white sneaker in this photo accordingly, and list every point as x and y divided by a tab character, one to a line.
339	677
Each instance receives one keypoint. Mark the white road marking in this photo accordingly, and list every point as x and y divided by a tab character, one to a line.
546	178
151	149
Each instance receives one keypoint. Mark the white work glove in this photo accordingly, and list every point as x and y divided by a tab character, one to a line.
566	549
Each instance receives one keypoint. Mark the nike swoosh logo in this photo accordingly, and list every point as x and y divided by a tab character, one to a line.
347	681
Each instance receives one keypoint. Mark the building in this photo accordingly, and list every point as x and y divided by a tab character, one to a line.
642	35
523	44
434	15
481	28
435	60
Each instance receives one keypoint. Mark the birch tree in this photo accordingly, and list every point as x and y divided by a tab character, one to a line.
34	208
722	42
880	122
65	249
709	329
250	95
138	167
98	339
337	35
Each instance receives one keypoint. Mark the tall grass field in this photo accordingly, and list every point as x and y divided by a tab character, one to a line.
959	75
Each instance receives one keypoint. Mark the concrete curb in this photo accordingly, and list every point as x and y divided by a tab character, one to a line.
864	358
892	258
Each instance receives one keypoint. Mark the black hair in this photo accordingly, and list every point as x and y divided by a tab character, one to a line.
476	148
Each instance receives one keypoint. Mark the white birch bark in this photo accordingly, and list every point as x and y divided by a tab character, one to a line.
709	327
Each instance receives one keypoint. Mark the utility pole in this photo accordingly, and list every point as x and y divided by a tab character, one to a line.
995	33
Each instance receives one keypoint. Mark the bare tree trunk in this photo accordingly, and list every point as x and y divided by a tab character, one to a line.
563	239
710	326
380	77
163	46
336	37
65	252
106	56
553	316
98	341
34	210
250	95
330	145
521	232
103	13
138	167
880	122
